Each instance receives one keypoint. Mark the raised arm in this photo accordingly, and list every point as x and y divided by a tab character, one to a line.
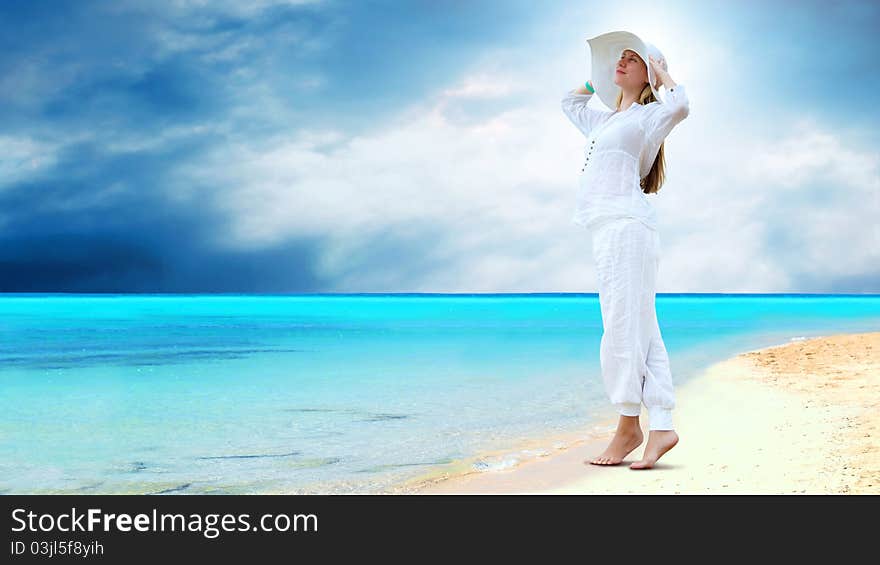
659	118
574	105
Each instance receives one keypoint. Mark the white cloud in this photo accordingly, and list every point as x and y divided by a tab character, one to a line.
501	191
484	85
492	187
24	157
483	204
749	213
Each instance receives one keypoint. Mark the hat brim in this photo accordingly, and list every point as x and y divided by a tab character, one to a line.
605	51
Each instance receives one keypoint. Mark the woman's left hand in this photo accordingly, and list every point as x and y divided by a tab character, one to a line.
659	72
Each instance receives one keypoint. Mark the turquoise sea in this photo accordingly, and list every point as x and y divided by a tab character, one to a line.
189	394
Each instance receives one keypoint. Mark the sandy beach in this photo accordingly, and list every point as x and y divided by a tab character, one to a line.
798	418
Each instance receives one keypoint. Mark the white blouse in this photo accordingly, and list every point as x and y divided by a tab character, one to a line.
620	150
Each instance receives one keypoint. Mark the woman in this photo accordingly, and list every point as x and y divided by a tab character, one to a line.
624	162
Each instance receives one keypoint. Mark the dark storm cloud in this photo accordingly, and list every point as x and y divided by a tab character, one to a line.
70	235
100	84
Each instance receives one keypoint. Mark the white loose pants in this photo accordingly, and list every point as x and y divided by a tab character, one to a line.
633	358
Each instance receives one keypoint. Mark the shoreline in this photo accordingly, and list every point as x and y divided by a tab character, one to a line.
799	417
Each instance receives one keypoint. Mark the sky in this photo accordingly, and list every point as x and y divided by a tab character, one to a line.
372	146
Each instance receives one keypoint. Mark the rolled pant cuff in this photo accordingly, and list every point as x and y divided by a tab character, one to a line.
659	418
628	409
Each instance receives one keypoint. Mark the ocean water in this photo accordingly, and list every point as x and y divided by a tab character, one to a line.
191	394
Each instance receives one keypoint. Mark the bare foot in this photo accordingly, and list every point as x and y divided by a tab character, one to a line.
625	440
659	442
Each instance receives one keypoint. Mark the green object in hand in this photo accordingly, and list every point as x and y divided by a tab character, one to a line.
590	88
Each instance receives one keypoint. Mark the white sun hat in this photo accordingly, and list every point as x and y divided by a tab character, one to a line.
605	51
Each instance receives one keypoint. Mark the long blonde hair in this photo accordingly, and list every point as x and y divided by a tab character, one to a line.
655	177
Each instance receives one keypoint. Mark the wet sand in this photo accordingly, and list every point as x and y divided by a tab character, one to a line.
798	418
